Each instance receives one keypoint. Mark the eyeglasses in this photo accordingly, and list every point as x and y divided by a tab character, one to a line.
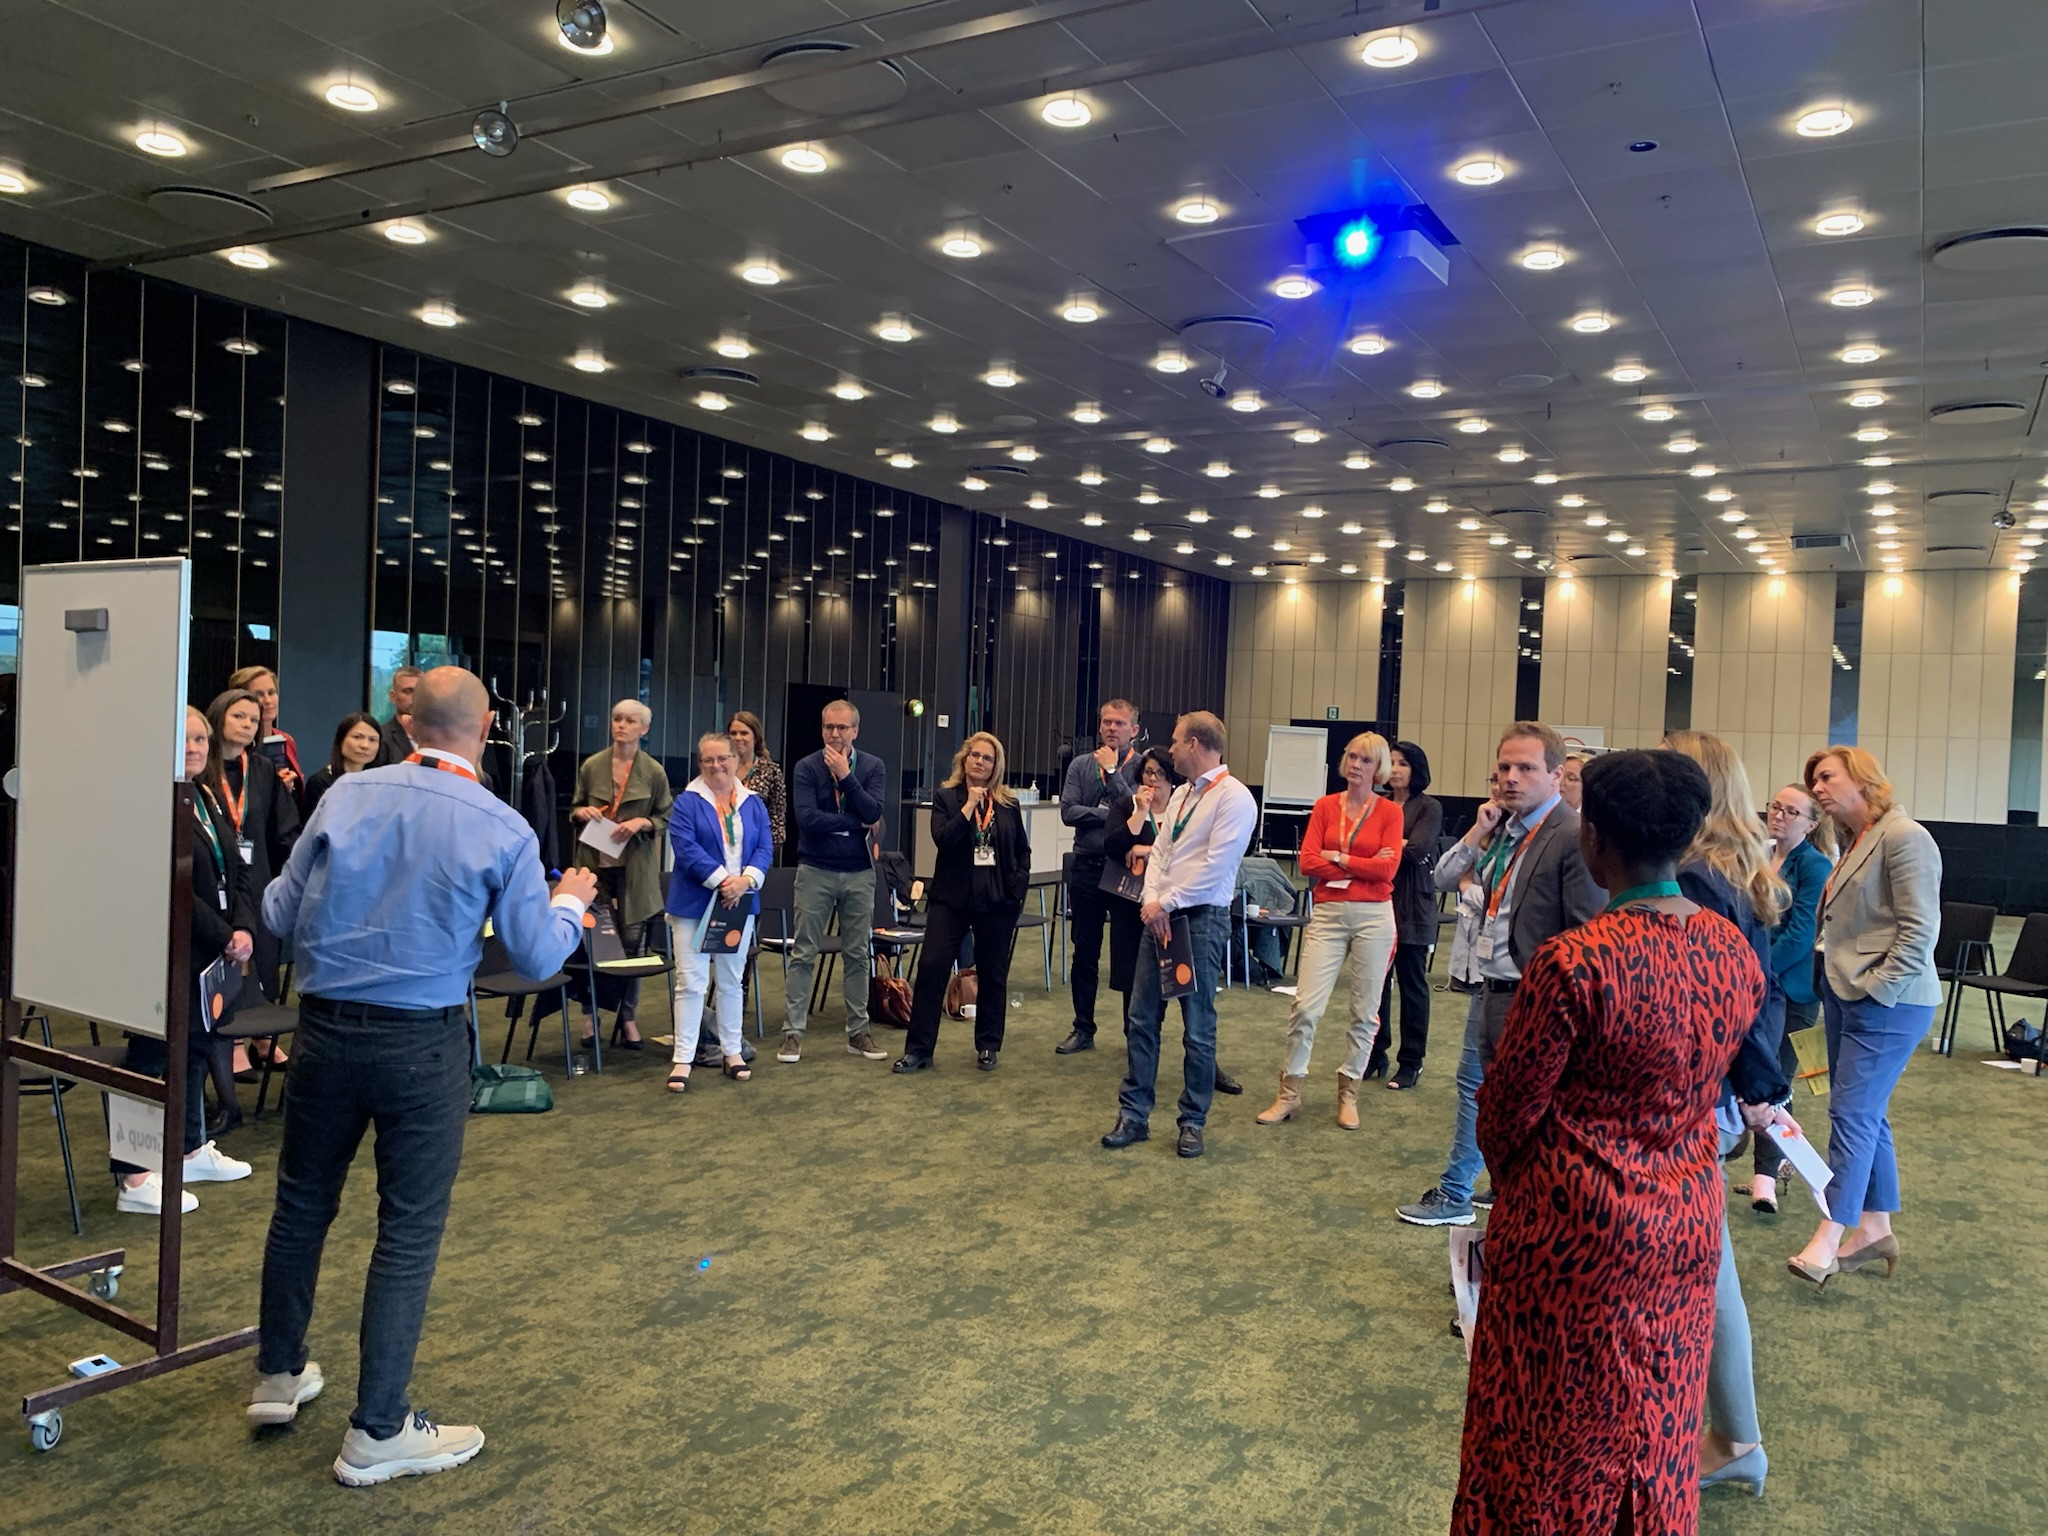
1784	810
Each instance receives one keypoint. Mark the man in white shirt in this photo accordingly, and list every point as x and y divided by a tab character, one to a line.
1191	875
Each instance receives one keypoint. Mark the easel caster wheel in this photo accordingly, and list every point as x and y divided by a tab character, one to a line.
105	1284
45	1430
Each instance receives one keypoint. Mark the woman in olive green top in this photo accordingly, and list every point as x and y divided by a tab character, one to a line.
629	788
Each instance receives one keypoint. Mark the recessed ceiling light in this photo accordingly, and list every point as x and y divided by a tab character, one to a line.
1884	509
1087	412
1158	445
1596	519
1217	469
1090	476
1141	535
1198	210
405	232
1824	123
1426	389
1860	352
589	296
113	425
1356	459
1293	286
1258	570
1855	296
1368	344
440	314
732	346
12	183
1385	542
1546	478
1480	173
1877	462
1838	224
1571	499
160	142
1720	493
55	298
1091	519
960	247
589	360
351	97
1024	453
1617	536
1400	483
1658	412
814	432
1871	434
1683	443
586	199
248	257
1170	362
1000	376
1080	311
1307	435
711	400
1067	111
1268	492
762	274
1628	373
1734	515
901	460
1389	50
1864	399
1497	540
1543	258
1591	324
1472	425
1511	455
1147	497
1282	546
1246	401
804	159
944	423
1436	505
1313	510
1468	525
524	418
1880	488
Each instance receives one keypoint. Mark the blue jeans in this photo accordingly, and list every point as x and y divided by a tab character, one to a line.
355	1065
1465	1165
1209	936
1868	1048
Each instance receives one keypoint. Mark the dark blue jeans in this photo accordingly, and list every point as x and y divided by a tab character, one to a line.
355	1065
1209	935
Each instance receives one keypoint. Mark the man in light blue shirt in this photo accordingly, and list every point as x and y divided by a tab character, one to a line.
385	898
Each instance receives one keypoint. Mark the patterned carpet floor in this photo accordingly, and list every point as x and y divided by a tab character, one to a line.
836	1301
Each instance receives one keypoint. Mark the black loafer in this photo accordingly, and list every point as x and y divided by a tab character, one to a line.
908	1063
1225	1083
985	1061
1126	1132
1078	1040
1190	1141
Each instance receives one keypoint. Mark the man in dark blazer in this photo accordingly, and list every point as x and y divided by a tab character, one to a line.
397	742
1524	845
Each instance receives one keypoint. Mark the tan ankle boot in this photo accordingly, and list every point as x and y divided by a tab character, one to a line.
1287	1105
1347	1102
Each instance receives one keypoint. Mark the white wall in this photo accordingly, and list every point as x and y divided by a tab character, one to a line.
1605	643
1458	652
1761	673
1295	652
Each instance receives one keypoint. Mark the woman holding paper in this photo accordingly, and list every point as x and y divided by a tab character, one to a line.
1350	851
619	810
1126	841
719	833
1802	853
1880	912
981	866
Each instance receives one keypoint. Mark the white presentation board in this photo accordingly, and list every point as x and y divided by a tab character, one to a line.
1297	764
102	742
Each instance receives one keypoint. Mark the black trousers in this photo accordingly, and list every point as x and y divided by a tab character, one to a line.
1087	911
945	927
1411	970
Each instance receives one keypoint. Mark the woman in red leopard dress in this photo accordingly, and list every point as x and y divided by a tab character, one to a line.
1596	1311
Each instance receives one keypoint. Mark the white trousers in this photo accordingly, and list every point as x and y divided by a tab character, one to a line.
693	978
1343	936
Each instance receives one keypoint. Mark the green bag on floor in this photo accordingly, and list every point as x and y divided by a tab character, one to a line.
508	1091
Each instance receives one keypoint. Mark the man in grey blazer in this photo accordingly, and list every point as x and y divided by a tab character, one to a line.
1524	845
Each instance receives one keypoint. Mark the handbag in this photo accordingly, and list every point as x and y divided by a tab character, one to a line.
508	1091
961	992
888	994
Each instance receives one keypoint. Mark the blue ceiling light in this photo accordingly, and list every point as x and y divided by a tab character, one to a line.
1358	242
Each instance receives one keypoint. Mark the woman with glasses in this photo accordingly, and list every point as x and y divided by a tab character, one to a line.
1802	842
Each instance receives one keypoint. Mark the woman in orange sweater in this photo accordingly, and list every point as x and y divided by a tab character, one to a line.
1350	853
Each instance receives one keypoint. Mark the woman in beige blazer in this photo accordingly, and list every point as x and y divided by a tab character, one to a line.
1879	914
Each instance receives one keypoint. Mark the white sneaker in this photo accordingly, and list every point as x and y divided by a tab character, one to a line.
210	1165
147	1198
420	1447
278	1396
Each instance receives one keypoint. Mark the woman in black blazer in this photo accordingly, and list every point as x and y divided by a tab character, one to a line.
979	874
223	923
263	814
358	744
1422	822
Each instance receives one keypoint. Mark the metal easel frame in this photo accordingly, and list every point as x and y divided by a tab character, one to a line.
42	1409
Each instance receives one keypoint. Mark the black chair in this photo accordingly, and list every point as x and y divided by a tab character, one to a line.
496	977
263	1019
1043	919
1446	902
2025	974
55	1088
1295	919
604	952
1963	948
899	923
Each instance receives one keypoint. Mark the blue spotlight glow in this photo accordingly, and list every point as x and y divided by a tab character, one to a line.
1358	242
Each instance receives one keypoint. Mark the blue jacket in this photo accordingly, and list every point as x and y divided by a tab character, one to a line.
1754	1076
699	846
1806	870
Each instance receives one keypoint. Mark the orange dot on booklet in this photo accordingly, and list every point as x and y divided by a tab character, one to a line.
218	1005
732	939
590	919
1183	974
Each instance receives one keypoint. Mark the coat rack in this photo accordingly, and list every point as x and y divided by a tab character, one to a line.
514	721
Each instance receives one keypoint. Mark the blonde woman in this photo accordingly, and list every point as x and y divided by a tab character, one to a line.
1728	870
1880	912
1350	852
980	869
630	789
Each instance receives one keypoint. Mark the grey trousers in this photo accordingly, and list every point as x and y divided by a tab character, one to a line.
1731	1382
819	894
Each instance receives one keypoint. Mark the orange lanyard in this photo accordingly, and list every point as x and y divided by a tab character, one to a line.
1181	824
983	818
239	806
1102	778
446	765
728	822
1350	838
619	781
1500	889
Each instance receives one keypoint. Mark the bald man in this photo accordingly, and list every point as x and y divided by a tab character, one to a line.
385	898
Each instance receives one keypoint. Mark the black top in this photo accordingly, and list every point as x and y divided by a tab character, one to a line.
1422	820
269	816
1755	1074
322	782
1117	837
956	880
214	877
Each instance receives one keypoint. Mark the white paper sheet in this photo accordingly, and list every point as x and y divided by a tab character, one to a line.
602	833
1813	1170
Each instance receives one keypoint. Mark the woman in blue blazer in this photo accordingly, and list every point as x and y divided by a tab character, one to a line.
719	833
1802	845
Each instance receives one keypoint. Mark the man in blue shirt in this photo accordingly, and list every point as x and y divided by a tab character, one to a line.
385	898
835	797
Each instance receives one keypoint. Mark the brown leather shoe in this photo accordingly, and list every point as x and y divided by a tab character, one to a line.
1347	1102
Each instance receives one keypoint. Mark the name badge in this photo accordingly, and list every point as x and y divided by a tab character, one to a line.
1482	945
1337	885
248	851
223	897
984	858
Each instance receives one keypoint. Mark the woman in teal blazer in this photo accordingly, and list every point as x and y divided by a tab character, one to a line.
1801	844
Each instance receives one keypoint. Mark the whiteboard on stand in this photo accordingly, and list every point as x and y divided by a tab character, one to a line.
102	743
1297	765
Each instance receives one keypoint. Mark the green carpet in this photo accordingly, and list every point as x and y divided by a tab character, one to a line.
935	1305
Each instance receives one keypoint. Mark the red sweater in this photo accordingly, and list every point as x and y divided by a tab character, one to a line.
1371	874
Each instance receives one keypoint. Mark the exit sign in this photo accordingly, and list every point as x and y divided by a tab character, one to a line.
1330	713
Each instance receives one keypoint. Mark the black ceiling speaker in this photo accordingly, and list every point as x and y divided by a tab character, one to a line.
582	23
494	132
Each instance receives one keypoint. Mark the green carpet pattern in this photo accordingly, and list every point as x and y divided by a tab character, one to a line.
836	1301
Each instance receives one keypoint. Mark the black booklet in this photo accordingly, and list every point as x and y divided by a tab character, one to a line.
219	985
1119	881
1177	960
723	929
